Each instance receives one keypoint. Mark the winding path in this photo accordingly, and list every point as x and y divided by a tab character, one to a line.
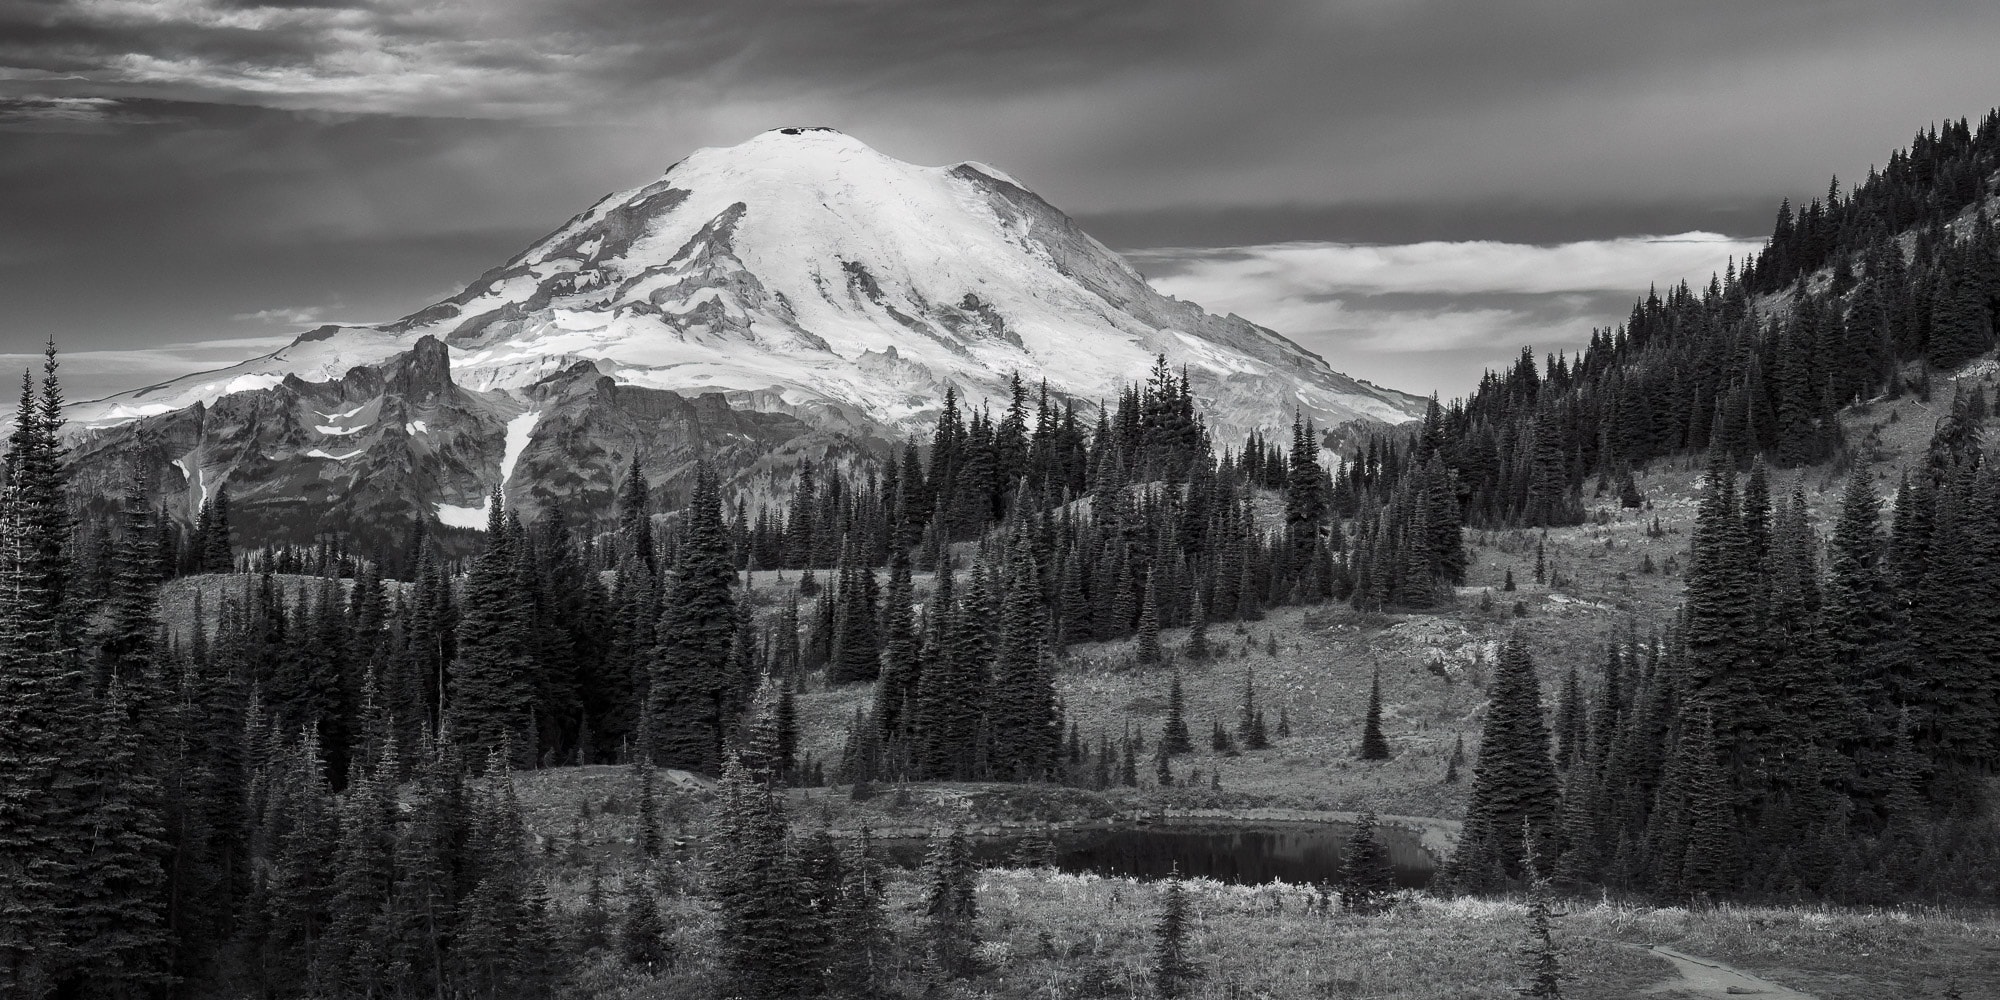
1704	977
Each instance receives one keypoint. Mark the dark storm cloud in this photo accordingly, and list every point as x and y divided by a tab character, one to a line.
168	167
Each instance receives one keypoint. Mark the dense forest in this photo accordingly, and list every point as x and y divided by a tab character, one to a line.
1800	732
308	780
304	789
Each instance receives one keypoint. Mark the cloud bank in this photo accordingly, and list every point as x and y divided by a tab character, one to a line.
96	374
1432	315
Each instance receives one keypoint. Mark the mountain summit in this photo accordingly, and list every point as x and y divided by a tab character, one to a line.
799	285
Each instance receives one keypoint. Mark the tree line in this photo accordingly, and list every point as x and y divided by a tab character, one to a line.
1862	297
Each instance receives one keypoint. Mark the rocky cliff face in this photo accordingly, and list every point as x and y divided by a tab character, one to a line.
392	452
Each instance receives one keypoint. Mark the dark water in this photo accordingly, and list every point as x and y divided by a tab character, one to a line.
1243	853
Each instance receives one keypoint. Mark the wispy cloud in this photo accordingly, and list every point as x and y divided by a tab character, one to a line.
93	374
42	113
1459	268
525	59
1430	315
294	316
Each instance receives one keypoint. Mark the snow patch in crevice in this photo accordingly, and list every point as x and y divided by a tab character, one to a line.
520	431
339	431
455	516
192	473
319	453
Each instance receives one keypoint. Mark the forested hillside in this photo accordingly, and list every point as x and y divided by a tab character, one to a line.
1863	296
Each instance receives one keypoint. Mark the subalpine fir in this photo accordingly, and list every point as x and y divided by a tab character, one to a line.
1514	784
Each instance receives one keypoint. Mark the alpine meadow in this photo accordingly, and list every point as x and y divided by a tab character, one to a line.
809	573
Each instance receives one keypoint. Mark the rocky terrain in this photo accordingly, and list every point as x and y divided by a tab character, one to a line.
796	294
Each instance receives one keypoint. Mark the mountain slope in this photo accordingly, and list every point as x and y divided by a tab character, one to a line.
799	274
802	270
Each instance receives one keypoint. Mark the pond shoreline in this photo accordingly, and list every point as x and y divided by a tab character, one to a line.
1435	835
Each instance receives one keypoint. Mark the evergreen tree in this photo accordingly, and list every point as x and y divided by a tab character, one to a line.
1219	740
1174	734
948	712
642	936
693	690
363	879
862	946
1374	746
1859	628
1021	714
770	945
214	537
1250	718
1305	499
1570	721
1724	611
647	836
1175	972
594	920
493	676
950	904
116	883
1367	881
131	620
1197	644
1514	780
770	752
300	830
635	518
1707	872
1540	957
858	653
502	943
902	668
1149	623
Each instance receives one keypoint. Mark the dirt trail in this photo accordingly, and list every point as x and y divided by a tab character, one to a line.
1704	977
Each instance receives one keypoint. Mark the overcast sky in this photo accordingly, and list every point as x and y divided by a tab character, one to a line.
1411	188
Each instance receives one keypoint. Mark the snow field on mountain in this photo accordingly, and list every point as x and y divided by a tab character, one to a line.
803	269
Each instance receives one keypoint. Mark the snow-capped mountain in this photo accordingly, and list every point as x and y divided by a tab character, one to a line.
799	274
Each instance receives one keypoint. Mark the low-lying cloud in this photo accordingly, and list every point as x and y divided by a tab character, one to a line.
1431	316
96	374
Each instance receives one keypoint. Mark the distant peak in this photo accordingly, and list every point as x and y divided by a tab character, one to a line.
806	129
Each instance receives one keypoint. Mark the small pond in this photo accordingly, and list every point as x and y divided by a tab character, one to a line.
1245	853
